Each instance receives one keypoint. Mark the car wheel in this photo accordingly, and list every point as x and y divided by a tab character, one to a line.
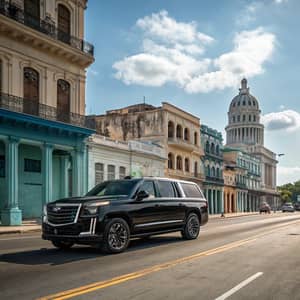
116	236
192	227
62	245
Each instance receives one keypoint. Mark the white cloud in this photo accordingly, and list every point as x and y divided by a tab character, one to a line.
249	13
280	1
173	52
285	120
288	174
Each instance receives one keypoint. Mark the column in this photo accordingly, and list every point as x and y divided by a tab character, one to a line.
11	214
64	176
222	201
77	164
47	170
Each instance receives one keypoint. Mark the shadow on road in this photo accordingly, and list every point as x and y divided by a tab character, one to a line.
52	256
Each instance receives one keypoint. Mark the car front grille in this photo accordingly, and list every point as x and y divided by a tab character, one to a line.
62	214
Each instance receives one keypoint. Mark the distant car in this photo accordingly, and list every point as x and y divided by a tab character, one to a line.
265	207
297	206
288	207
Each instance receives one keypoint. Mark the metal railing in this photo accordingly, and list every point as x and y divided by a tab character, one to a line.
45	26
34	108
214	179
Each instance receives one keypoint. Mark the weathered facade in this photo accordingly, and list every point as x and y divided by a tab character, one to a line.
177	131
245	132
42	103
211	141
111	159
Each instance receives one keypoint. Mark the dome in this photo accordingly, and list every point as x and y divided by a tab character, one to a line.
244	99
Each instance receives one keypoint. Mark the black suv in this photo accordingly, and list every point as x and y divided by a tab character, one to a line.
115	211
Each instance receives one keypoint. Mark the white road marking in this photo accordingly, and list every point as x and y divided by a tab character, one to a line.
239	286
21	238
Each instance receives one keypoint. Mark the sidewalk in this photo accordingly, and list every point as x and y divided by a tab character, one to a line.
34	225
27	226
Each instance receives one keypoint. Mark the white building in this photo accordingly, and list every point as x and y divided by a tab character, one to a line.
112	159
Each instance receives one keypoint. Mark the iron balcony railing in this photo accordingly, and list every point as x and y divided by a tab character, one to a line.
214	179
34	108
45	26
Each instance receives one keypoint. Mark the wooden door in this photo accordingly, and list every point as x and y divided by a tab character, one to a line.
63	101
31	91
64	24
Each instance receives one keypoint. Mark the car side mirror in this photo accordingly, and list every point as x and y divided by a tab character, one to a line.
142	195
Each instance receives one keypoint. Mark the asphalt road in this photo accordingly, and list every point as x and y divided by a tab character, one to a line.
253	257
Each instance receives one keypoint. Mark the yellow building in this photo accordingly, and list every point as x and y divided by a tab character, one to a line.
229	175
177	131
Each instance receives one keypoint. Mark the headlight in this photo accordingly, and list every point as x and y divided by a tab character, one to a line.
93	207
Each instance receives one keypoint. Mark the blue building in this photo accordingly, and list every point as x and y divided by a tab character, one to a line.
43	129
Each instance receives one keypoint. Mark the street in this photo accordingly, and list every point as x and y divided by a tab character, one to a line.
249	257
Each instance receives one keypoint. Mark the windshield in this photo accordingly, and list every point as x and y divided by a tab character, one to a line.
113	188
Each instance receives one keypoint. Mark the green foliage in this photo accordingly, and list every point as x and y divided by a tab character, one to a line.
289	191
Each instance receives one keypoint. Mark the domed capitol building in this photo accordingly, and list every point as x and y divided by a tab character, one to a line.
245	133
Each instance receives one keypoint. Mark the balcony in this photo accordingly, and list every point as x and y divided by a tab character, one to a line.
172	173
33	108
184	145
241	185
46	27
214	180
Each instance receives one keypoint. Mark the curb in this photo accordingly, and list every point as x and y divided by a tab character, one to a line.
232	216
14	231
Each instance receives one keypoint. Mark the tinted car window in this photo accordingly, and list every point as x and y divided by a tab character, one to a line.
191	190
166	189
148	186
113	188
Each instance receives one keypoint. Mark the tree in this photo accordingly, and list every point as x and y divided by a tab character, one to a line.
285	196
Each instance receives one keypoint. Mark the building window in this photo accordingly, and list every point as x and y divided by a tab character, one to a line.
186	134
244	118
217	150
195	169
2	166
32	13
249	102
253	103
179	131
0	77
195	138
213	172
179	163
212	148
31	89
207	171
99	173
254	118
111	172
64	24
239	103
170	161
186	165
32	165
63	101
122	172
233	119
244	103
207	147
249	118
170	129
238	118
218	173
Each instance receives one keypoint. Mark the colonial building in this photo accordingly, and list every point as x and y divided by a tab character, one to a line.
211	141
174	129
229	189
246	168
43	58
111	159
244	131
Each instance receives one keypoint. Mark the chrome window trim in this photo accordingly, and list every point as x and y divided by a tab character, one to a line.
76	217
159	223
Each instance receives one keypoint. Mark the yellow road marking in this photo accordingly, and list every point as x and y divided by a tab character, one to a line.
130	276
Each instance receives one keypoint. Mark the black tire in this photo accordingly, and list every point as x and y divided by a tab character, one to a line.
116	236
191	228
62	245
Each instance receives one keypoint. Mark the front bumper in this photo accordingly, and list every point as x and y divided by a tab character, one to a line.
82	232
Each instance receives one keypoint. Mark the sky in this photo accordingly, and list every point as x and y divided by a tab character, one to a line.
193	54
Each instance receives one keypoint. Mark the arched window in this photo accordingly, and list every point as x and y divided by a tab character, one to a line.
170	161
217	150
249	102
218	173
32	13
213	172
244	103
186	164
179	131
179	163
244	118
170	129
195	138
31	90
186	134
64	24
207	171
253	103
254	118
249	118
233	119
238	118
195	169
207	147
63	101
212	148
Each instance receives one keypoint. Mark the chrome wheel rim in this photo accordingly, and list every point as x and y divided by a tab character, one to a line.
193	226
117	236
